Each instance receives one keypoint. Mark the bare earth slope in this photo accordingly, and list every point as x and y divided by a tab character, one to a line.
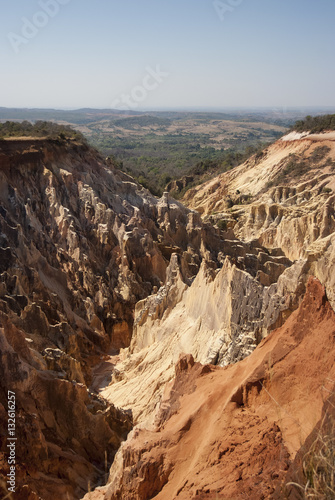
233	432
283	198
254	176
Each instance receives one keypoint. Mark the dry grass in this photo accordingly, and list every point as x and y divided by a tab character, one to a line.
318	466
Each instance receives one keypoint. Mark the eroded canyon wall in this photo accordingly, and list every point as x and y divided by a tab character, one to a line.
92	263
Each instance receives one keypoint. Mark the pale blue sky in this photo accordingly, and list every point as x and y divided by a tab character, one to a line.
263	53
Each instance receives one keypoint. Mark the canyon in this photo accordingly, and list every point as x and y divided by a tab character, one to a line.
159	348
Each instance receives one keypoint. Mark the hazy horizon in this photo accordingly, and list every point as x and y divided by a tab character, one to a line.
201	109
221	54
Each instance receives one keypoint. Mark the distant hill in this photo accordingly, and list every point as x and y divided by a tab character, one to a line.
76	117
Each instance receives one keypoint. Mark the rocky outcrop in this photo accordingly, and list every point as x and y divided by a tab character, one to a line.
80	245
85	245
178	185
219	319
233	432
290	202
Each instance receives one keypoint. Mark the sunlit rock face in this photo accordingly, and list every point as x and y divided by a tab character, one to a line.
81	244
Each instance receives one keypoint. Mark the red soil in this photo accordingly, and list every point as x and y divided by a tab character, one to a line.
233	432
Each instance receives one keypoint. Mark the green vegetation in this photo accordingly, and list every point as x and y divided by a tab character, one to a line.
154	159
315	124
204	171
39	129
319	153
133	122
159	147
222	224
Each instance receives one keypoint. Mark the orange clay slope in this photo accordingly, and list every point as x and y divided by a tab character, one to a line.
233	432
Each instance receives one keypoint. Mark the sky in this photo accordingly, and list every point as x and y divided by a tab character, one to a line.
155	54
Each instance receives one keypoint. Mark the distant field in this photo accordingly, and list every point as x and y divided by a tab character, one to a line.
158	147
